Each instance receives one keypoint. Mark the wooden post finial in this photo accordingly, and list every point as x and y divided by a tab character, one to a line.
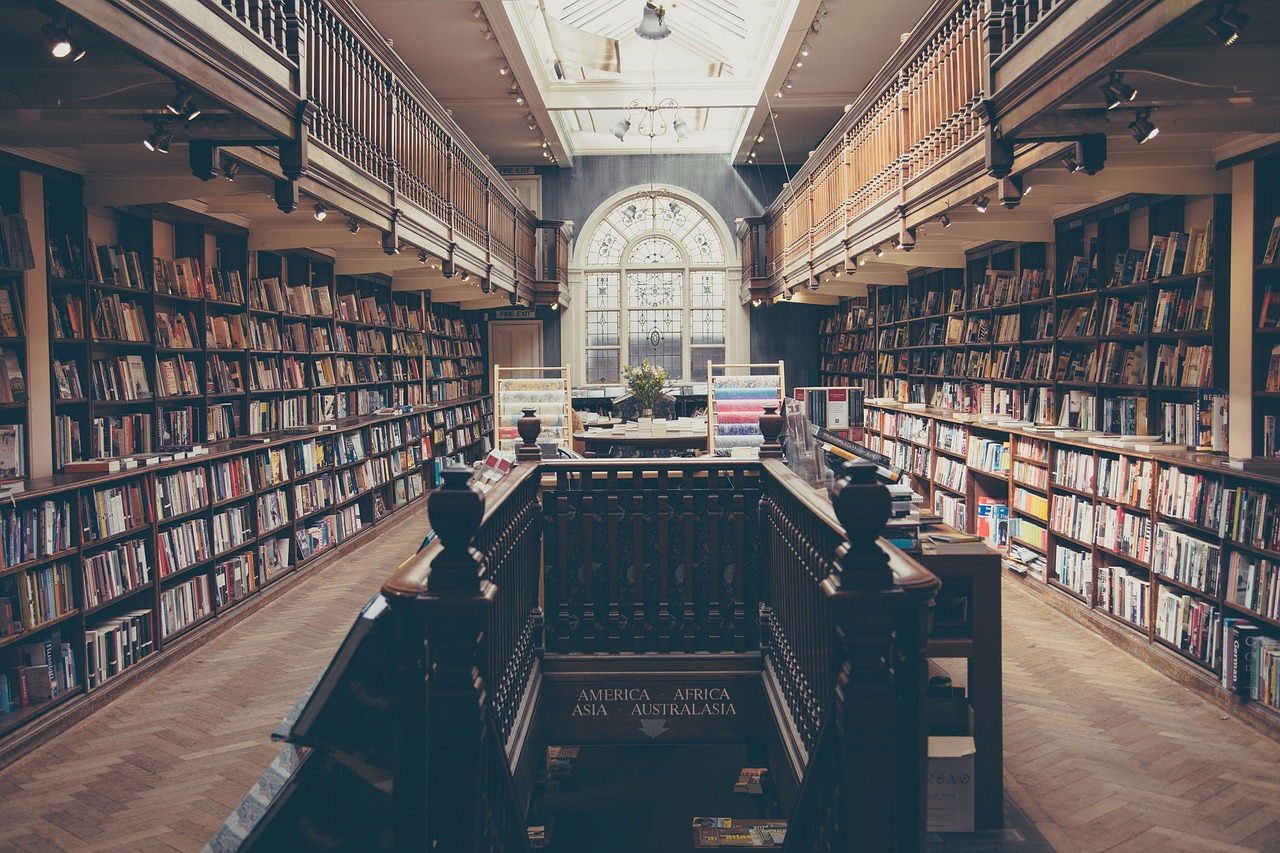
530	427
771	424
863	506
455	510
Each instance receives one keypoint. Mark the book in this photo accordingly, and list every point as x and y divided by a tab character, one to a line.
1273	243
12	451
10	325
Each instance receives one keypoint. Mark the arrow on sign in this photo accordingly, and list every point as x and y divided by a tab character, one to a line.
653	728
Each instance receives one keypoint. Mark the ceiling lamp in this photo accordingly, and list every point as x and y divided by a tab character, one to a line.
60	44
804	48
230	168
654	117
653	24
320	211
1142	128
1116	92
159	140
182	107
981	203
945	220
1227	23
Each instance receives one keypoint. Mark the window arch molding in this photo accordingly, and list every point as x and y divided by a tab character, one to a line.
672	285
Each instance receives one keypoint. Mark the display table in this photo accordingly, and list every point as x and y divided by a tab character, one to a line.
743	833
600	442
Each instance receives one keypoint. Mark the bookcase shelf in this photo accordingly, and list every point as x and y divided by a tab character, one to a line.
122	577
1180	544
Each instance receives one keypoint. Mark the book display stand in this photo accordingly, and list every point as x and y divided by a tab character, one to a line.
547	390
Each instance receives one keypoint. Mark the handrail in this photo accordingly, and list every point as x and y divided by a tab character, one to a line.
264	18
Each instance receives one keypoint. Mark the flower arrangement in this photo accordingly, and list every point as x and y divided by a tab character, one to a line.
645	382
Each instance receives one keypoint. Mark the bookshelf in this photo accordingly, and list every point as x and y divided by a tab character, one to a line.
260	455
1179	549
1122	351
1266	308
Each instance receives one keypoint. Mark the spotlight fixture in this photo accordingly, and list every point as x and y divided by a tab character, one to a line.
835	272
546	155
759	137
60	43
477	12
555	306
1142	129
879	250
464	276
159	140
653	25
787	83
504	70
486	34
755	303
423	257
1227	23
320	211
799	63
518	97
182	107
353	225
1070	163
981	203
945	220
1116	92
804	48
230	168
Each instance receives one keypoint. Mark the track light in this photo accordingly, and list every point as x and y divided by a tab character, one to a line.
464	276
159	140
1227	23
653	25
555	306
504	70
1070	163
353	225
759	137
477	12
1142	128
230	168
60	42
320	211
620	128
864	260
546	155
981	204
945	220
182	107
787	84
755	303
879	251
423	257
1116	92
804	48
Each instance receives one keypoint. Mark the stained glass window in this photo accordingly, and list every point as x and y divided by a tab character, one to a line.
651	271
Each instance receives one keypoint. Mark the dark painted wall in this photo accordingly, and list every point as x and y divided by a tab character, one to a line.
789	331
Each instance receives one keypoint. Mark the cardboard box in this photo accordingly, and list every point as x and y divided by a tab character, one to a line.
950	784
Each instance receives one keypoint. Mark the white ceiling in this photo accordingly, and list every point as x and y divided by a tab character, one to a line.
724	63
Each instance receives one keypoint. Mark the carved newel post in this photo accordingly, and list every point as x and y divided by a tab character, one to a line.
455	510
879	729
530	427
771	425
863	505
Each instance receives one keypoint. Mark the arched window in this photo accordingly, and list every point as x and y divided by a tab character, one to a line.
655	280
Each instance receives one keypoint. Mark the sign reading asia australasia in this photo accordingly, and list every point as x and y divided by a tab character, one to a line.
718	709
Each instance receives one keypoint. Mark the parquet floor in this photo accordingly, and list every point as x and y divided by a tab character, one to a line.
1101	752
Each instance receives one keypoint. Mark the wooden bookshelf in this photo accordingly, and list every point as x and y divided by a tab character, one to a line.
1179	548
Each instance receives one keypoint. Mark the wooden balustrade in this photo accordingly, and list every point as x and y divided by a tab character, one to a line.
422	145
654	555
351	90
843	634
1010	21
470	198
268	19
921	109
526	247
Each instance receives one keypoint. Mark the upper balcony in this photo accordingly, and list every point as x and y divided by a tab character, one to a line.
984	100
302	101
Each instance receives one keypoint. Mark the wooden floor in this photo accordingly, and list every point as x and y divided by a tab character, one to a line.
1101	752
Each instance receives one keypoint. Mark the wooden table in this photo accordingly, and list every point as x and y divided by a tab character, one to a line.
601	442
708	837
